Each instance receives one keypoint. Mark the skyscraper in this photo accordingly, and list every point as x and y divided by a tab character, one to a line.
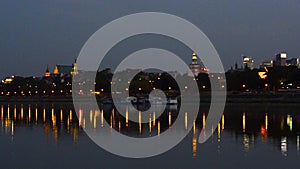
280	59
248	62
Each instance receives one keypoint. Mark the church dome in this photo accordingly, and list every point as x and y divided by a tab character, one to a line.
194	57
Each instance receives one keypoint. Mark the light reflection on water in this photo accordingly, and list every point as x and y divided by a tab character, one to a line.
245	129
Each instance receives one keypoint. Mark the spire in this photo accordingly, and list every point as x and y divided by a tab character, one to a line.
47	70
56	71
47	73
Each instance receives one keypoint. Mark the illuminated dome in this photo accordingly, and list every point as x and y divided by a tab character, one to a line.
194	56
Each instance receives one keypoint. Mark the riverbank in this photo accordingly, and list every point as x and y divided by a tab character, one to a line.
231	98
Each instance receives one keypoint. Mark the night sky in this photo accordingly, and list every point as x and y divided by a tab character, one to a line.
34	33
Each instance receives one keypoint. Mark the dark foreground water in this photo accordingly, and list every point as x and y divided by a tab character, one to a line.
39	135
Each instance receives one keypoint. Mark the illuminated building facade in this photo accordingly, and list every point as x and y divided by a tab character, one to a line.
66	69
269	63
8	80
280	59
293	62
248	62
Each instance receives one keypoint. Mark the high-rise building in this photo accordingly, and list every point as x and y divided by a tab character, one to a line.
280	59
293	62
248	62
268	63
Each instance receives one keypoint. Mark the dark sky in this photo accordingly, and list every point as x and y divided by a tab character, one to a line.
34	33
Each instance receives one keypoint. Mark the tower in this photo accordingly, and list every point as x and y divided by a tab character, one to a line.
55	71
194	58
194	66
47	73
75	70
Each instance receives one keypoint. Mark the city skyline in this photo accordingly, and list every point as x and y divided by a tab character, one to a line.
241	64
144	84
54	32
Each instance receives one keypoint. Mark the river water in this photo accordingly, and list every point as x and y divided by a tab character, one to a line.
50	135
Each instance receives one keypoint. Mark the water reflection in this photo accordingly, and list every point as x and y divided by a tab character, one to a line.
248	128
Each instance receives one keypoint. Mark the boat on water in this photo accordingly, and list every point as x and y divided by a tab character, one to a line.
171	102
152	101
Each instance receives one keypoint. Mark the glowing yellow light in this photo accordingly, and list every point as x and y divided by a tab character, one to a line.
71	115
8	114
15	112
36	113
203	120
158	127
44	114
140	122
111	123
80	117
194	145
223	122
2	111
29	113
150	122
56	72
170	119
288	119
266	121
95	121
61	115
244	122
186	120
91	117
102	119
12	128
219	131
126	117
113	117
